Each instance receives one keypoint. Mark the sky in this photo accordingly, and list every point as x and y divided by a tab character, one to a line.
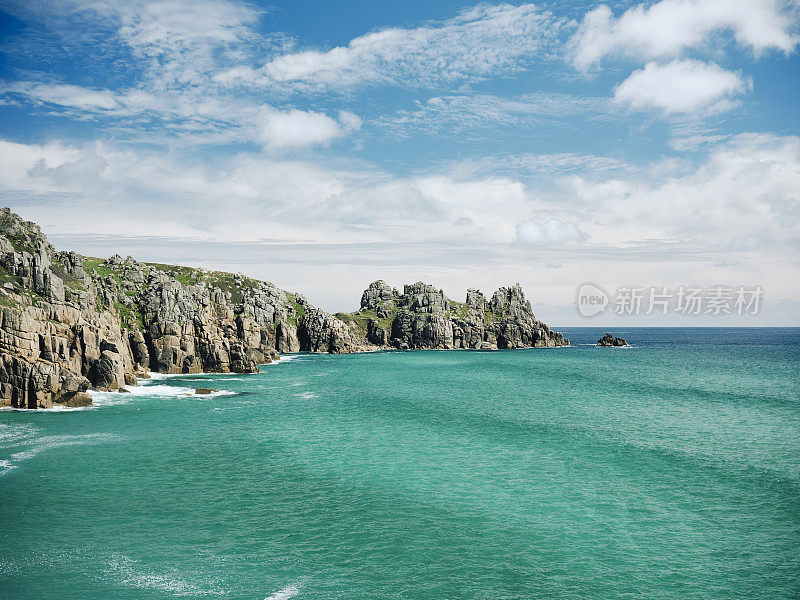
324	145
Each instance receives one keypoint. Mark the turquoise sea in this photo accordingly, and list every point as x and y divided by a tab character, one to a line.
668	470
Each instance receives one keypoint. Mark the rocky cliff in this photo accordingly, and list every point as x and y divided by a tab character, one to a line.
69	323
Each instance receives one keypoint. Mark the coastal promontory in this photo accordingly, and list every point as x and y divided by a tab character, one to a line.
70	323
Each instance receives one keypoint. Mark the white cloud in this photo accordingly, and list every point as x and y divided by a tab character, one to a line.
552	232
67	95
168	49
696	141
668	27
481	42
175	42
210	118
112	188
681	86
183	41
299	129
16	160
526	165
739	205
745	187
748	186
468	112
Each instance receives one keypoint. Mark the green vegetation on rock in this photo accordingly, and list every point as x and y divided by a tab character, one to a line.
295	309
131	317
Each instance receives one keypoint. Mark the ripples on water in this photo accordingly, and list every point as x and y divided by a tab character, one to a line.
669	470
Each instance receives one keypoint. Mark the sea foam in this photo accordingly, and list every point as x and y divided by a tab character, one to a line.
28	444
290	591
132	573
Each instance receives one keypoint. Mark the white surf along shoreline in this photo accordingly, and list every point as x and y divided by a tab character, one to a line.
147	388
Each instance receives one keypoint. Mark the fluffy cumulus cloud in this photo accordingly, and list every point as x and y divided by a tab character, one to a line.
299	129
682	86
548	233
666	28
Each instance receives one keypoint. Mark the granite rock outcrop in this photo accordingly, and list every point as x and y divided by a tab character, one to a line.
424	317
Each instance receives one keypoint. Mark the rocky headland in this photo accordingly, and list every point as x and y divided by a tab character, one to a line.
422	316
69	323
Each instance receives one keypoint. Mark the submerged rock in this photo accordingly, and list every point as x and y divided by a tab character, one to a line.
202	391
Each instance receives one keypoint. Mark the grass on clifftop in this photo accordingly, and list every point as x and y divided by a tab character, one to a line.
231	283
98	267
70	281
236	285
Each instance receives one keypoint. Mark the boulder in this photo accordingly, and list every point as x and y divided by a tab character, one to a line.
79	399
107	373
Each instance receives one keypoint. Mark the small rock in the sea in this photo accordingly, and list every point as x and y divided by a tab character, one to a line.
123	391
143	375
205	391
609	340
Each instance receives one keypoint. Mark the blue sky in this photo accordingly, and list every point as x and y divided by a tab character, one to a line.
325	145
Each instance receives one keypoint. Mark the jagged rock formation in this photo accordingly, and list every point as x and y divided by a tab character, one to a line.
69	323
609	340
424	317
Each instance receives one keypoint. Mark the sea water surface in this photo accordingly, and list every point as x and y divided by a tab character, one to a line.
668	470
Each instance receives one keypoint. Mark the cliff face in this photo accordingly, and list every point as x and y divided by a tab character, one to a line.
68	322
423	317
71	322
